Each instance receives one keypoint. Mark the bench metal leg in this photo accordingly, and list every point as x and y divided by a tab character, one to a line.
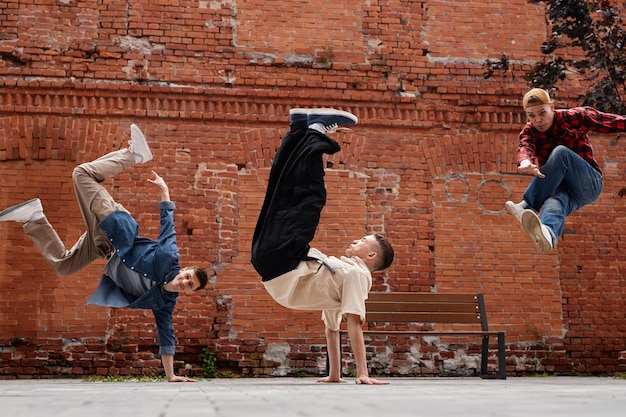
484	357
501	356
501	374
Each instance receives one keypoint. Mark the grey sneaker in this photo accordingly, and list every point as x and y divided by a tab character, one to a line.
139	145
331	119
21	212
514	209
538	232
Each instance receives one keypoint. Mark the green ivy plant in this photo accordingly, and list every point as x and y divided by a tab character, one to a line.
209	364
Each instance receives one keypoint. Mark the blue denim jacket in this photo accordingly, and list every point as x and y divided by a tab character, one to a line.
156	260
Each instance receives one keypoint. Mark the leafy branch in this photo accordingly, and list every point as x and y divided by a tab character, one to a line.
595	28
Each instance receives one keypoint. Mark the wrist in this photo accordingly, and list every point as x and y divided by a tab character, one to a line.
362	373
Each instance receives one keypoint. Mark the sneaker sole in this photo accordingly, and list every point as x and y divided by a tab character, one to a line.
532	227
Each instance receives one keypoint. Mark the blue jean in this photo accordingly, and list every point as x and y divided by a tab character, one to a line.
570	182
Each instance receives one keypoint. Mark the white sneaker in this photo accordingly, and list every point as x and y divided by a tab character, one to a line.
514	209
537	231
21	212
138	144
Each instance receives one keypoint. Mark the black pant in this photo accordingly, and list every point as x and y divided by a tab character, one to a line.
293	203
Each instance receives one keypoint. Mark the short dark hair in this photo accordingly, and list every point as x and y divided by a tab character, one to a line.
386	253
202	275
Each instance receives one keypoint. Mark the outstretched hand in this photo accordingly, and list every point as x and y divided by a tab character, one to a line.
157	180
161	184
527	167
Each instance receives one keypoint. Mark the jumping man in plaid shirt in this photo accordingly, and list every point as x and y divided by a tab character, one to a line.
555	148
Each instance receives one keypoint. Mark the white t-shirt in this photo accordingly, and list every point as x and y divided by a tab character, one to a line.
312	286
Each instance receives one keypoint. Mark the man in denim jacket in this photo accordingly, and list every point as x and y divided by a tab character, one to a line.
140	272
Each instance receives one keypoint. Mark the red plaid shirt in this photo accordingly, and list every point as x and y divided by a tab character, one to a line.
570	129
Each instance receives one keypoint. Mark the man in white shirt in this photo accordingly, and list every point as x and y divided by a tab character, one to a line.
296	275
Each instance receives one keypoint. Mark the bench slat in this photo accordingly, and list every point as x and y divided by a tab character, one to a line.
422	317
383	306
423	297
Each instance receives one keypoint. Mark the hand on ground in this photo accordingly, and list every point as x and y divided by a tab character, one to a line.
369	381
329	379
177	378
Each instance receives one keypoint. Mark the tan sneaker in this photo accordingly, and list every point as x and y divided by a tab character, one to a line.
537	231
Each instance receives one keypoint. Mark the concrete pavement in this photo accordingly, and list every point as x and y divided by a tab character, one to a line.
301	397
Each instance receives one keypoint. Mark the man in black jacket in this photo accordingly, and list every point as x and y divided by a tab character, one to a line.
296	275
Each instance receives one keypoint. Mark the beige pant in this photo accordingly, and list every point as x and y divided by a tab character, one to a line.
95	204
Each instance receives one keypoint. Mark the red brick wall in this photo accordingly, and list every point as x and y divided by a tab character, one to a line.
430	165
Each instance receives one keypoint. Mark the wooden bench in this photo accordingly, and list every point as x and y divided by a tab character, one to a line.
401	308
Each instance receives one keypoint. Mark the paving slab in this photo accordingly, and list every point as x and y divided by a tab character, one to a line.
302	397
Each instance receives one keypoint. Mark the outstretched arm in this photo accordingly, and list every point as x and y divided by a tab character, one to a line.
168	365
357	342
160	183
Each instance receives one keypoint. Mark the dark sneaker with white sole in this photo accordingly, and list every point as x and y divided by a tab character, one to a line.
331	119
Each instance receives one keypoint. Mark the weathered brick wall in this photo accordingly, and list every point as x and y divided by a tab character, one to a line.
211	82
